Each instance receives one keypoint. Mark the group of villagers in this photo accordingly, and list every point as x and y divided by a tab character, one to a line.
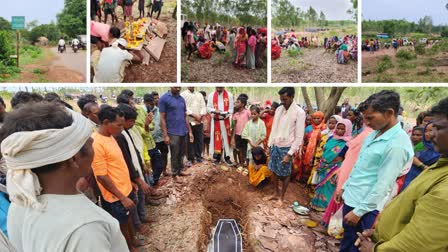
104	8
247	45
344	48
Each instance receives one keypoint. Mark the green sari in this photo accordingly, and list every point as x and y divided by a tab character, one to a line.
326	173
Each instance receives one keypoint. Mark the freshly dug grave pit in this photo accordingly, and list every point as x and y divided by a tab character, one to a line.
224	197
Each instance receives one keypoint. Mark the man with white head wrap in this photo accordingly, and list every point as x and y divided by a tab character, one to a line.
47	148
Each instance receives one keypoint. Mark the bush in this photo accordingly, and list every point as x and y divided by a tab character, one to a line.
384	64
420	49
406	54
293	51
404	64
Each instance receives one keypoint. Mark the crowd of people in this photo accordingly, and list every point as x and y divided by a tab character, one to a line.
104	8
389	183
344	48
247	45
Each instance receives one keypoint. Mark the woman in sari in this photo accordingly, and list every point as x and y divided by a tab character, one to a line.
311	142
325	135
250	50
355	117
423	159
354	147
240	46
258	167
332	157
254	131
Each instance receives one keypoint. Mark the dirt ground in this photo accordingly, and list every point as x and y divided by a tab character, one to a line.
218	69
66	68
165	70
424	69
315	66
184	220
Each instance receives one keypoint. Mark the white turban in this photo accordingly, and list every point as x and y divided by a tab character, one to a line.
27	150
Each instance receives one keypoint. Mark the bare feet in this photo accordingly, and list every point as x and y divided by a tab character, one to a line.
279	203
183	174
167	174
143	229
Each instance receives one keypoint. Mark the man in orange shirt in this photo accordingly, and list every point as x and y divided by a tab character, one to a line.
111	171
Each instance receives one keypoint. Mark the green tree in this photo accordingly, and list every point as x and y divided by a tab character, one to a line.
6	48
4	25
322	18
72	19
49	31
354	10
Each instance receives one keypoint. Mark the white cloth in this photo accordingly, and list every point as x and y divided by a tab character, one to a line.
75	42
108	68
134	154
27	150
288	128
61	42
195	104
71	223
222	126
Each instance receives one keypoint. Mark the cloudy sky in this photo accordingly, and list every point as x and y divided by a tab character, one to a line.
411	10
42	10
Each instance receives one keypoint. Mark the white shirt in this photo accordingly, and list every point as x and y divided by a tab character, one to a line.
75	42
61	42
108	68
69	223
195	104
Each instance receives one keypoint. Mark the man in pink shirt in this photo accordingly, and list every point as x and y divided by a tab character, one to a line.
240	118
285	139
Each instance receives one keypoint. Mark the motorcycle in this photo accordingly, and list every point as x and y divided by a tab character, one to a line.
75	48
61	49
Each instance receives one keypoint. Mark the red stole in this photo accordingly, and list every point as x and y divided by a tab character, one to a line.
217	127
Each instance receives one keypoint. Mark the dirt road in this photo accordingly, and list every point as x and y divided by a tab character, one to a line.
68	66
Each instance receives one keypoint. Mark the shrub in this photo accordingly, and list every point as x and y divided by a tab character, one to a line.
420	49
406	54
384	64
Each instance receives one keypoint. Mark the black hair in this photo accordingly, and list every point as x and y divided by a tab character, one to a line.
34	117
123	98
83	100
65	104
441	108
115	31
289	91
337	110
418	128
428	113
259	151
243	98
2	102
88	106
148	98
21	98
420	117
127	92
128	111
358	123
255	108
109	113
275	105
154	93
52	96
203	93
382	101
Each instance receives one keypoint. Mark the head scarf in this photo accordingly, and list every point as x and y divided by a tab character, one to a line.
348	130
329	132
26	150
314	136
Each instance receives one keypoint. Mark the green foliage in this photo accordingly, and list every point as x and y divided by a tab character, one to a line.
444	33
401	27
6	48
384	64
420	48
406	54
285	13
404	64
293	52
49	31
5	25
72	19
226	12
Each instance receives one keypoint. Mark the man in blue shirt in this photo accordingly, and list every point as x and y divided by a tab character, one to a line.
175	127
383	156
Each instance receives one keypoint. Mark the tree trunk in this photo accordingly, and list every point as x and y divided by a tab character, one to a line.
319	92
332	100
306	97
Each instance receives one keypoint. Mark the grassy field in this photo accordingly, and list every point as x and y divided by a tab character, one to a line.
421	63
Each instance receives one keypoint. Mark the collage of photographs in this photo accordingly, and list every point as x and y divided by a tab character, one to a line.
224	125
